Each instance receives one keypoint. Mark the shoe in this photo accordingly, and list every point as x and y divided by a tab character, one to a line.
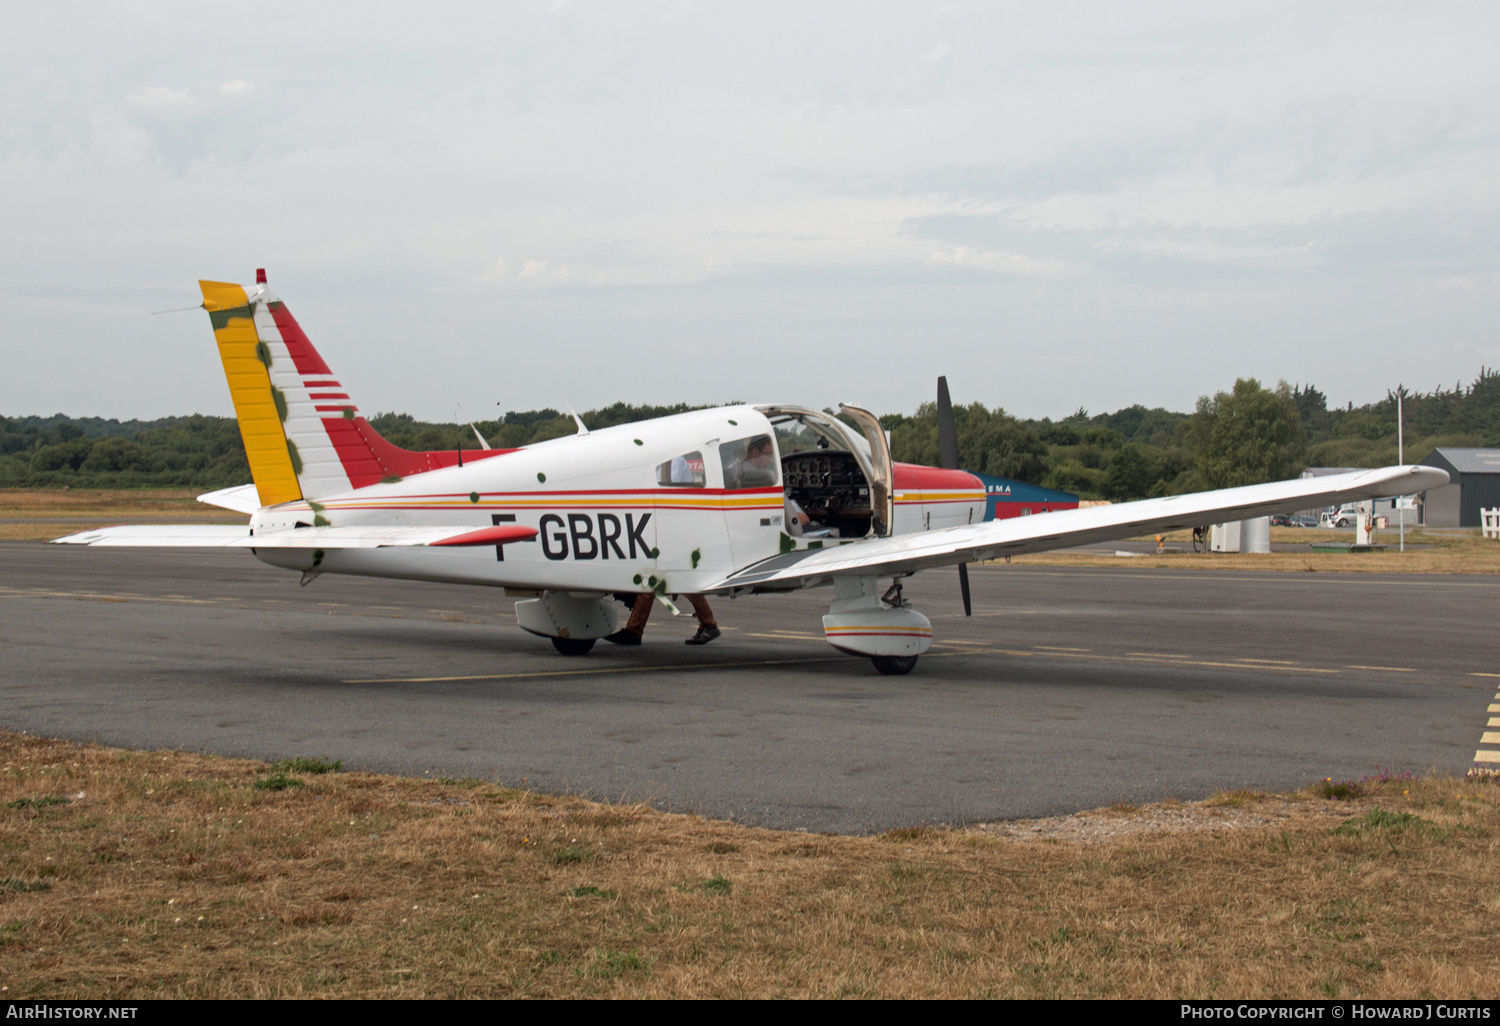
623	637
703	637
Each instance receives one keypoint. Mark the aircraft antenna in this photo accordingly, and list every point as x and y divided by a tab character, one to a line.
582	428
458	418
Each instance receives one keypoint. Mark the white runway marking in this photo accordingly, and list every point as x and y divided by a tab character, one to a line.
1490	737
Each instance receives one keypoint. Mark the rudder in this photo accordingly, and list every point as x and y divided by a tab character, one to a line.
303	434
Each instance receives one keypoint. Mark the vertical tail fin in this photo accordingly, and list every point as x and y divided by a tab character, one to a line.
303	434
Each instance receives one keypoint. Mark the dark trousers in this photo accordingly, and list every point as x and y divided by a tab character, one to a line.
640	612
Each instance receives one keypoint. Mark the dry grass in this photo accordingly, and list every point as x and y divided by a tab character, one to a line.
172	875
1442	554
103	502
36	506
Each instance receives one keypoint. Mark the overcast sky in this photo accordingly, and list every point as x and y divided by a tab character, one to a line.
533	203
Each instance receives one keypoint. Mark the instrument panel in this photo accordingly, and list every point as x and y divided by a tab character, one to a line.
821	470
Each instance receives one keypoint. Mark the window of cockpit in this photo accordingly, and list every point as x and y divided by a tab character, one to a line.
685	471
750	463
794	436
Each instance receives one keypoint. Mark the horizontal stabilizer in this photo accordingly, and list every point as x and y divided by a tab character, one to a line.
172	536
241	498
908	553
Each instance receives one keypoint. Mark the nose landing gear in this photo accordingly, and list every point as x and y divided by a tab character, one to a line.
573	646
894	666
863	622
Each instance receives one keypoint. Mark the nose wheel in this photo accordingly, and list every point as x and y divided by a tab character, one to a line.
894	666
578	646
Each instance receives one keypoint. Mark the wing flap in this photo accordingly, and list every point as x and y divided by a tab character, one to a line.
909	553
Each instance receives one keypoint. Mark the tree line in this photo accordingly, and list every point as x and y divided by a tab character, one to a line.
1246	434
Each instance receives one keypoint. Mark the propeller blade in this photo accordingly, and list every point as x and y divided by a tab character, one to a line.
947	431
948	453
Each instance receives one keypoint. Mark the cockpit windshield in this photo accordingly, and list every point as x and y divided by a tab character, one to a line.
801	431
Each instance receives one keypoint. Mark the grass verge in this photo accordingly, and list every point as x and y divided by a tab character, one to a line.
165	874
1439	554
35	506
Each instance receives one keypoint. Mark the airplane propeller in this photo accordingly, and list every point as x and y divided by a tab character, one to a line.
948	456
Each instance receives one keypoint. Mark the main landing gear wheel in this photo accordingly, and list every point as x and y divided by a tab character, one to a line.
894	666
573	646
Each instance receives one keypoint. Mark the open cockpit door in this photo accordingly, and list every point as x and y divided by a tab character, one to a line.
837	479
881	495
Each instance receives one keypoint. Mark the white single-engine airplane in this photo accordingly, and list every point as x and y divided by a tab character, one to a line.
735	500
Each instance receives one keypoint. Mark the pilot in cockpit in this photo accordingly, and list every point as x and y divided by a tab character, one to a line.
756	468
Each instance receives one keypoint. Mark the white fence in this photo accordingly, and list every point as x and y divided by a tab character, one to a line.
1489	521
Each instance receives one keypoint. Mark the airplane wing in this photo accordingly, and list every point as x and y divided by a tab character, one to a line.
236	536
908	553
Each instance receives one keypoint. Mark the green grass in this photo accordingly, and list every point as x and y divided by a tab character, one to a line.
616	963
1343	790
313	765
1384	819
277	782
37	803
590	891
23	886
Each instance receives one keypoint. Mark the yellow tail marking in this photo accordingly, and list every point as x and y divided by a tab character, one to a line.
250	388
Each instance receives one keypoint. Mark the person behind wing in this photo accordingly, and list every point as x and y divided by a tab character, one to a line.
681	473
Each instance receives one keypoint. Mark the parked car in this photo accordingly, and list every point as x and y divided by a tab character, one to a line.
1281	520
1346	517
1304	520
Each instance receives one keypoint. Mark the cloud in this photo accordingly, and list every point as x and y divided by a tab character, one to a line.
937	54
162	98
996	261
237	87
544	273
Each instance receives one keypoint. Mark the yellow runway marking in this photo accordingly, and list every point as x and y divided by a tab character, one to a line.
592	673
1268	662
1152	657
971	649
1059	648
1484	756
1494	721
788	636
1490	737
90	596
1484	675
1493	708
1242	666
1390	669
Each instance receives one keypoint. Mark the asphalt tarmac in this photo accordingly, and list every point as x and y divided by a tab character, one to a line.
1068	689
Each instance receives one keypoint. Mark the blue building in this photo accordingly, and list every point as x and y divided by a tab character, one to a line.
1007	498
